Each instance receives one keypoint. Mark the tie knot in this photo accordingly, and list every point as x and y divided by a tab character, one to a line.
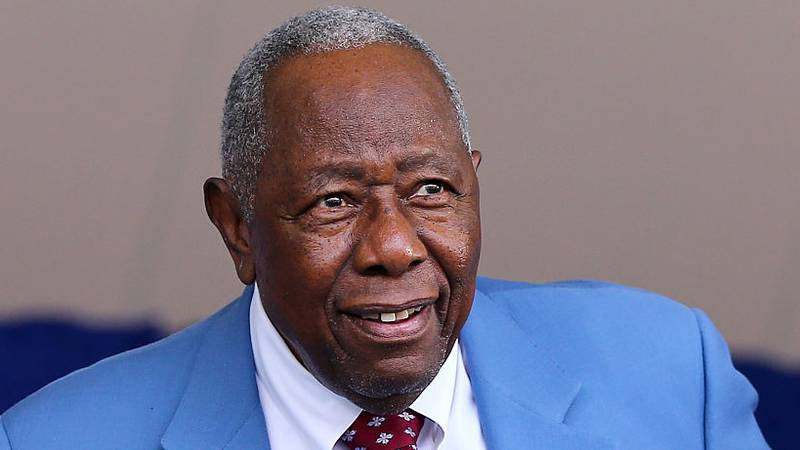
391	432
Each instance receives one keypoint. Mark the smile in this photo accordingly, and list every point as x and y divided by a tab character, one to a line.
388	317
381	325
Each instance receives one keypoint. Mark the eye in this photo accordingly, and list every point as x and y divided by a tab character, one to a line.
333	201
429	188
331	208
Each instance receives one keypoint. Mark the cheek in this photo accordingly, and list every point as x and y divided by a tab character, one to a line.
455	246
311	261
454	243
297	273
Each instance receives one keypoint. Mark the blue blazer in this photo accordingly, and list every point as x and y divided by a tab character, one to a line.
562	366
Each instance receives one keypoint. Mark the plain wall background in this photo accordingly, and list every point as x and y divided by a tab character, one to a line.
648	143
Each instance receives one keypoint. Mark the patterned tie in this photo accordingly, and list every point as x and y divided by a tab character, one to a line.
395	432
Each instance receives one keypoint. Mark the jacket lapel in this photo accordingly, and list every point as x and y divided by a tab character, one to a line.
522	395
220	406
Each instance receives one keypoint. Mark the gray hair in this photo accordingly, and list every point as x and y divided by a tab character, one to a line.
244	127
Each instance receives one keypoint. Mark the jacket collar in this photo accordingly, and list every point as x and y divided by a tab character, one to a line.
220	406
523	396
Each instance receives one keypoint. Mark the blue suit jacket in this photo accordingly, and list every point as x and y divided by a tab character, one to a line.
563	366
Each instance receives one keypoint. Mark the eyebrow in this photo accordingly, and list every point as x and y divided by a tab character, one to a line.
337	170
430	159
351	170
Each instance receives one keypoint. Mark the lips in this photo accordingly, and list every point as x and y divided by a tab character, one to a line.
389	327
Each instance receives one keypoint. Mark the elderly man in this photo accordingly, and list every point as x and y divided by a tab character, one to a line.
349	204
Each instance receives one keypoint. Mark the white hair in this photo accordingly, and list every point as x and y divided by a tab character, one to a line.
244	127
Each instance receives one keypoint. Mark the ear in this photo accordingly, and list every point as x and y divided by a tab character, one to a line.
225	213
476	159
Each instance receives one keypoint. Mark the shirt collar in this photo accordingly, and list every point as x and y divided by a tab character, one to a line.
313	410
317	412
436	401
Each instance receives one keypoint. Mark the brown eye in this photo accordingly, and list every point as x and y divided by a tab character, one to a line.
430	188
333	201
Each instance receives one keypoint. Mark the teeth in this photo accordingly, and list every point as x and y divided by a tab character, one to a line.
393	317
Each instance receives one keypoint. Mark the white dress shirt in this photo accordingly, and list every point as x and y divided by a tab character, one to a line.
301	413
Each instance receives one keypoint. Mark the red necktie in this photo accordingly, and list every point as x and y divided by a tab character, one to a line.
393	432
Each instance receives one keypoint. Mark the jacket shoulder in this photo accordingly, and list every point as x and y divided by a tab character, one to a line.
622	325
130	394
577	298
643	360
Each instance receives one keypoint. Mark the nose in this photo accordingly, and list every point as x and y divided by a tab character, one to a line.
389	244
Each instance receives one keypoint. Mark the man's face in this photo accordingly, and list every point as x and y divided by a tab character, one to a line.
366	233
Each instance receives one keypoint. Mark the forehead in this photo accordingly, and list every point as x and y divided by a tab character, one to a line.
367	99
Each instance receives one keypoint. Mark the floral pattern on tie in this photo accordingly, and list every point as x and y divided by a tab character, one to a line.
394	432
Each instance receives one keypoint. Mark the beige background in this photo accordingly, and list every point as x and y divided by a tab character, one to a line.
648	143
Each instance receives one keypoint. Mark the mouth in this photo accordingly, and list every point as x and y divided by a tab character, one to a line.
384	324
391	316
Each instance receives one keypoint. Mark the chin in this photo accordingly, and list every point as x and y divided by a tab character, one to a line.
391	379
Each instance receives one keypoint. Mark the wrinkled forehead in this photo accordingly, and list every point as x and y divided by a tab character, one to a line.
378	96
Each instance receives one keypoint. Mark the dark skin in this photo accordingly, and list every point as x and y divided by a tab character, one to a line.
366	231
